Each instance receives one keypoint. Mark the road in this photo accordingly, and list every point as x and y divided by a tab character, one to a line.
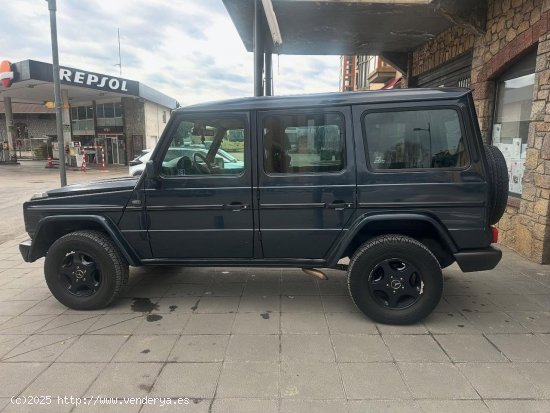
19	182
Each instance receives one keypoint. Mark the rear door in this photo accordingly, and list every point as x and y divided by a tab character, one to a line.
422	157
306	177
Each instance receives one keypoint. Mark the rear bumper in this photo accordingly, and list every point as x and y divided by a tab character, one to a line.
478	260
25	249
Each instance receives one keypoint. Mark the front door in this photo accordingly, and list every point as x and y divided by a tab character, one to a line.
201	205
306	180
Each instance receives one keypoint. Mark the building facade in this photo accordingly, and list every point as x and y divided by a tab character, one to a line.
508	68
366	73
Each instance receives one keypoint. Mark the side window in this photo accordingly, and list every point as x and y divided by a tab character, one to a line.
308	143
206	146
415	139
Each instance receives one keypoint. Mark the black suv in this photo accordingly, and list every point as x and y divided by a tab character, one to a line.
397	181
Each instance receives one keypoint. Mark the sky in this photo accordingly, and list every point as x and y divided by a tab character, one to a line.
187	49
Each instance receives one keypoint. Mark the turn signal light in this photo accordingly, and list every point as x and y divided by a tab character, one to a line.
495	235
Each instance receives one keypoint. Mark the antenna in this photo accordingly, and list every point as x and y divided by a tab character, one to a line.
119	64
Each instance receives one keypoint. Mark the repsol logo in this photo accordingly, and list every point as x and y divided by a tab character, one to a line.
92	80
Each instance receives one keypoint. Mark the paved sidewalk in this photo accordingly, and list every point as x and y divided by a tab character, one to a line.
272	340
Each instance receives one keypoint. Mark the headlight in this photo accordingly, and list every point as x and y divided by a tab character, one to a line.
39	195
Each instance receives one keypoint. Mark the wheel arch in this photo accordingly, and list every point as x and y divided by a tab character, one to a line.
53	227
421	227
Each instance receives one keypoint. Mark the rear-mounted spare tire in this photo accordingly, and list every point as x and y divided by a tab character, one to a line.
497	177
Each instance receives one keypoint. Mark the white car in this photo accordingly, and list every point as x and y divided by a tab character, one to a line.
137	166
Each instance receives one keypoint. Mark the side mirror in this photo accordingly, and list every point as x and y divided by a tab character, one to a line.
150	170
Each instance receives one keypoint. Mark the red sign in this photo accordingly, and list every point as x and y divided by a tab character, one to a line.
6	74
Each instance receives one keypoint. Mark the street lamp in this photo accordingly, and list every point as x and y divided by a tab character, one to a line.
57	93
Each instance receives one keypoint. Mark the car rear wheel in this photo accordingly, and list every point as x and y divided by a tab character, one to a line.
394	279
84	270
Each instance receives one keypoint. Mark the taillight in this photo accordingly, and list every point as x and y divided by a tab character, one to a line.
495	235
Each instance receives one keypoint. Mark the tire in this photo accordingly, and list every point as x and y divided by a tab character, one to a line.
84	270
497	176
372	287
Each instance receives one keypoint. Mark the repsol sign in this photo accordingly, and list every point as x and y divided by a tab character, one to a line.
75	77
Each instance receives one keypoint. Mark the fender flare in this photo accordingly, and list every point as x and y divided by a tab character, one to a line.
39	248
367	219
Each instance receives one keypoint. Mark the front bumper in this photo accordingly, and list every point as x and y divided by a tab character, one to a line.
478	260
25	249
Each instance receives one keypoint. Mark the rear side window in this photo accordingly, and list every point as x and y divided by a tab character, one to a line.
415	139
308	143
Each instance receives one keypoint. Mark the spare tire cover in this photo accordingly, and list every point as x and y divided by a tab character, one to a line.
497	177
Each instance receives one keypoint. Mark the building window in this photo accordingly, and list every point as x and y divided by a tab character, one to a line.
415	139
82	118
512	117
163	116
109	114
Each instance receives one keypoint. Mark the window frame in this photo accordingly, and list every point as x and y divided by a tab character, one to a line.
193	117
462	123
286	112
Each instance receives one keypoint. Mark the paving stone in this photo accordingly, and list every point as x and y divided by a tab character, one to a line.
8	342
249	380
496	322
383	406
297	288
436	381
245	406
192	380
373	381
418	328
64	379
257	323
537	373
13	308
199	348
301	304
209	324
411	348
48	306
115	324
225	289
259	304
304	323
521	347
338	304
449	323
162	324
470	348
125	380
218	305
195	405
262	288
317	406
536	322
453	406
314	381
146	348
471	303
24	324
360	348
69	324
306	347
14	377
248	347
175	305
523	406
499	381
40	348
336	288
350	323
515	302
93	348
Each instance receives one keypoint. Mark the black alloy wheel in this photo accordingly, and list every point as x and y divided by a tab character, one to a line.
80	274
395	283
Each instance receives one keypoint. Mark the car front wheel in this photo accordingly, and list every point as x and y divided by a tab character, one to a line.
394	279
84	270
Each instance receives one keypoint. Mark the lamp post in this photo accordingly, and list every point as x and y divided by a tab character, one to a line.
57	93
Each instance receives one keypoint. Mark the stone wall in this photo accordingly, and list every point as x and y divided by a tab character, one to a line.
134	122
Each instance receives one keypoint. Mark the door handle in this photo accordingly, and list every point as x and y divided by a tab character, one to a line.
340	205
236	206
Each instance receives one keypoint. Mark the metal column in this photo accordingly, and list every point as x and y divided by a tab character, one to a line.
12	155
268	74
258	48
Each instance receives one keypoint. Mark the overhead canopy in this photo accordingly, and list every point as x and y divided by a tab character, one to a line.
357	27
33	83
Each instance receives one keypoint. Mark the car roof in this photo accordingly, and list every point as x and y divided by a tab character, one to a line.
328	99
